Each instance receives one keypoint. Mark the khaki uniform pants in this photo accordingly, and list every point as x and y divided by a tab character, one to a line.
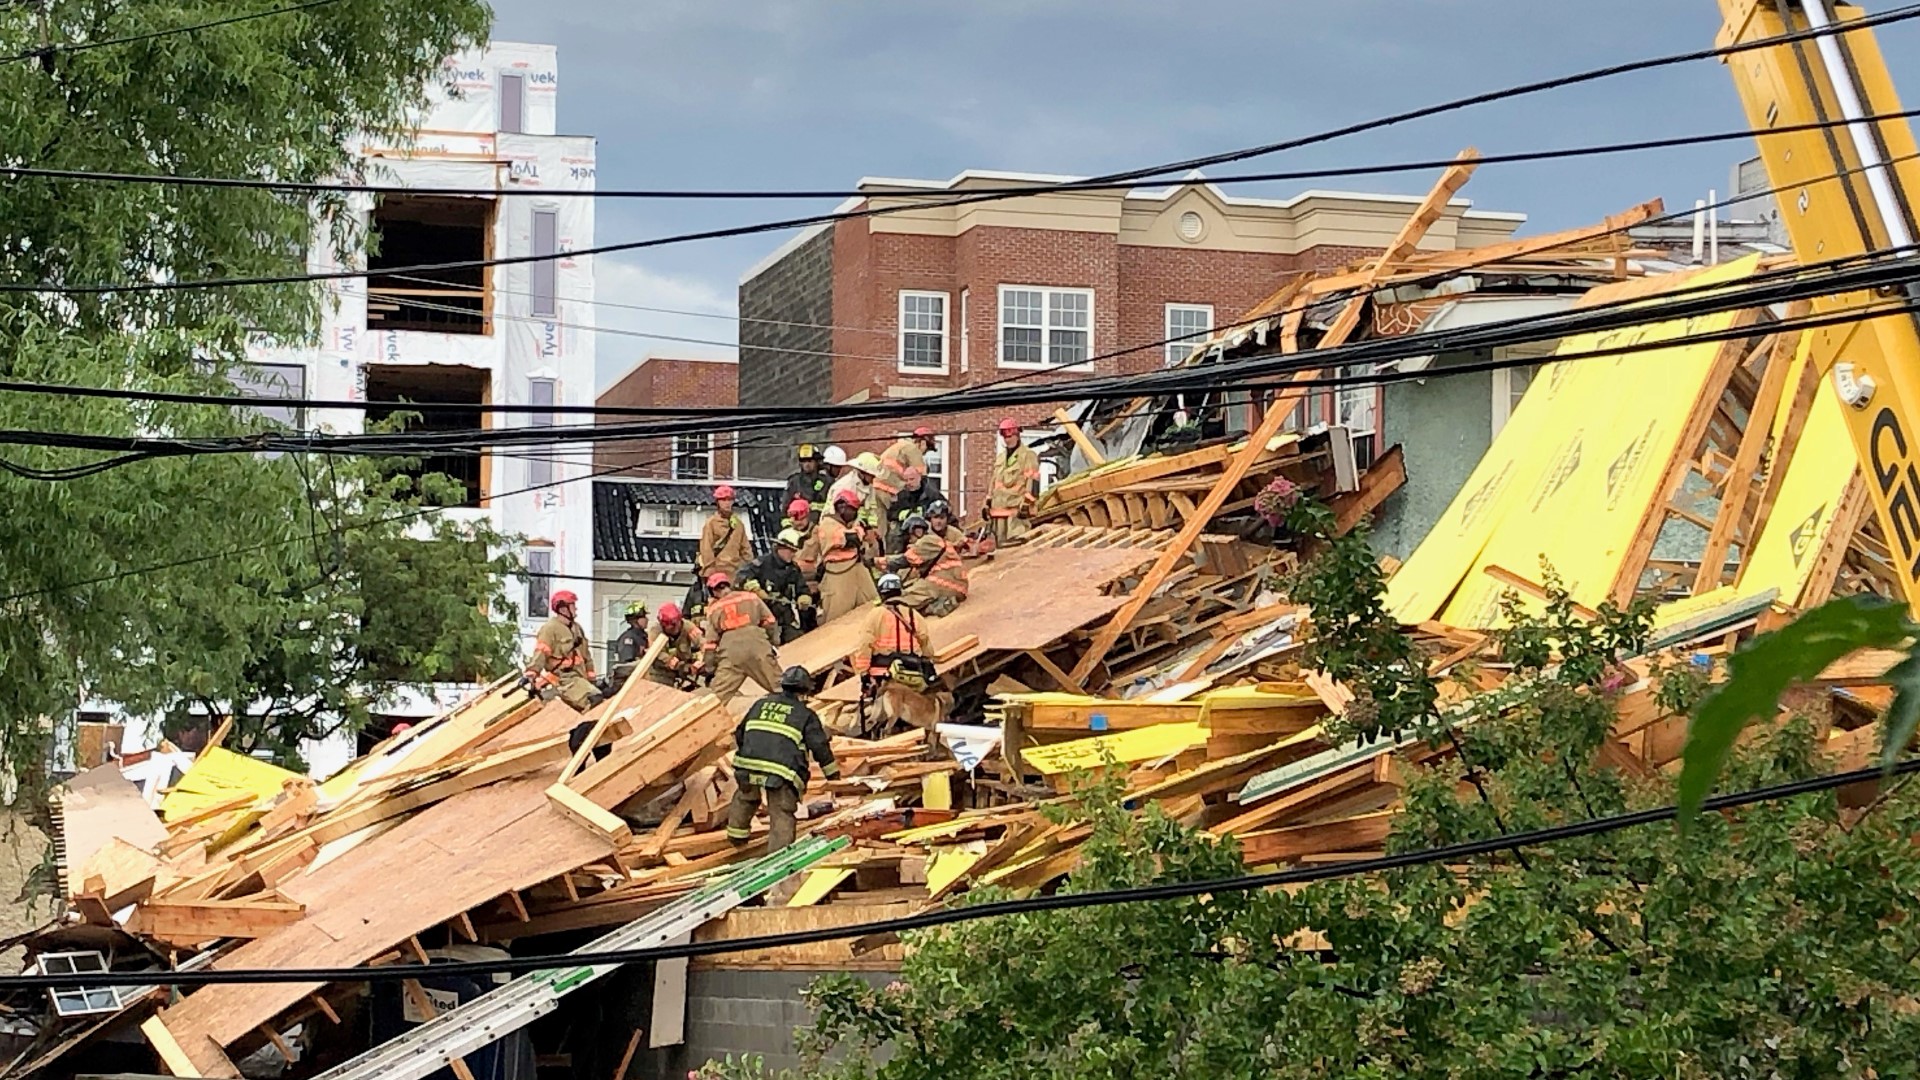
783	803
846	590
745	654
577	692
929	598
1010	528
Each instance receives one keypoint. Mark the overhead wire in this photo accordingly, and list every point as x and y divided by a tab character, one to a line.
1440	855
174	284
1688	301
1437	275
1767	287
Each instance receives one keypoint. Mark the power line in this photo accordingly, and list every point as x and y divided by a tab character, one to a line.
170	285
84	46
1033	905
1778	286
1007	191
341	528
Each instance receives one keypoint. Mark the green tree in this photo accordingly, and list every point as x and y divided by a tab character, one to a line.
1775	941
82	608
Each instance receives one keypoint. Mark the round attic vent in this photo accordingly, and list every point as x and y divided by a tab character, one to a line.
1192	226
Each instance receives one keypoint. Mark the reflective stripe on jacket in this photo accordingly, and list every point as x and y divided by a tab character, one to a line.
775	738
935	558
901	466
735	611
892	627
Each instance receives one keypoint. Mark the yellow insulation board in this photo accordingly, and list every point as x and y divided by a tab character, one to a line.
218	776
1822	463
1127	747
1572	474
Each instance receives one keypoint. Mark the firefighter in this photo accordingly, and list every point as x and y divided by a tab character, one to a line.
893	630
562	663
723	539
939	574
802	519
770	760
858	479
811	482
777	579
902	465
631	645
1016	484
939	517
682	663
845	582
737	642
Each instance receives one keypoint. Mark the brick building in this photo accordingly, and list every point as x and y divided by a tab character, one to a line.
671	382
941	298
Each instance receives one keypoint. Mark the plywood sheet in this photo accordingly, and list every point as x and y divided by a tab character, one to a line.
99	806
1026	597
452	856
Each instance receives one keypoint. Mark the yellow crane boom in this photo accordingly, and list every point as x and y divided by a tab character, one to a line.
1845	191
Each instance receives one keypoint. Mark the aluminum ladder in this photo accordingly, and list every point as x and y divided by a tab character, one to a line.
499	1012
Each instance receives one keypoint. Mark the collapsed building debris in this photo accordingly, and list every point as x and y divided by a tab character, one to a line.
1143	625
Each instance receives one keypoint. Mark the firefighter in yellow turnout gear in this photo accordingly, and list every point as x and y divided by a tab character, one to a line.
770	760
737	639
562	662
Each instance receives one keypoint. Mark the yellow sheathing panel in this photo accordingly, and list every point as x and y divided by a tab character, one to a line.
217	776
1146	744
1803	513
1587	461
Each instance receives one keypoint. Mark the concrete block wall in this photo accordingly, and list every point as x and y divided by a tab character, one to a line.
735	1011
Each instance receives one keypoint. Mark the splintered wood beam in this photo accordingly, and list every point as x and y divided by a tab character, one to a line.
1738	488
613	708
1633	564
1489	254
202	920
1276	414
589	815
1065	681
1094	457
279	1044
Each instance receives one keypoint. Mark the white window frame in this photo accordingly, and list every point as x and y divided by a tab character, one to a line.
512	93
678	454
1047	295
943	446
1503	394
539	582
1178	351
945	333
542	468
543	275
966	336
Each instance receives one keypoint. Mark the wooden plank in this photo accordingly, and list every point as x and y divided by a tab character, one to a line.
590	815
1516	582
1363	832
1079	437
174	1056
1299	798
1064	681
1739	487
203	920
449	857
1386	475
656	751
613	707
626	1059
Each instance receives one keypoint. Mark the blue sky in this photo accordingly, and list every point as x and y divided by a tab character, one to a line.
817	93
